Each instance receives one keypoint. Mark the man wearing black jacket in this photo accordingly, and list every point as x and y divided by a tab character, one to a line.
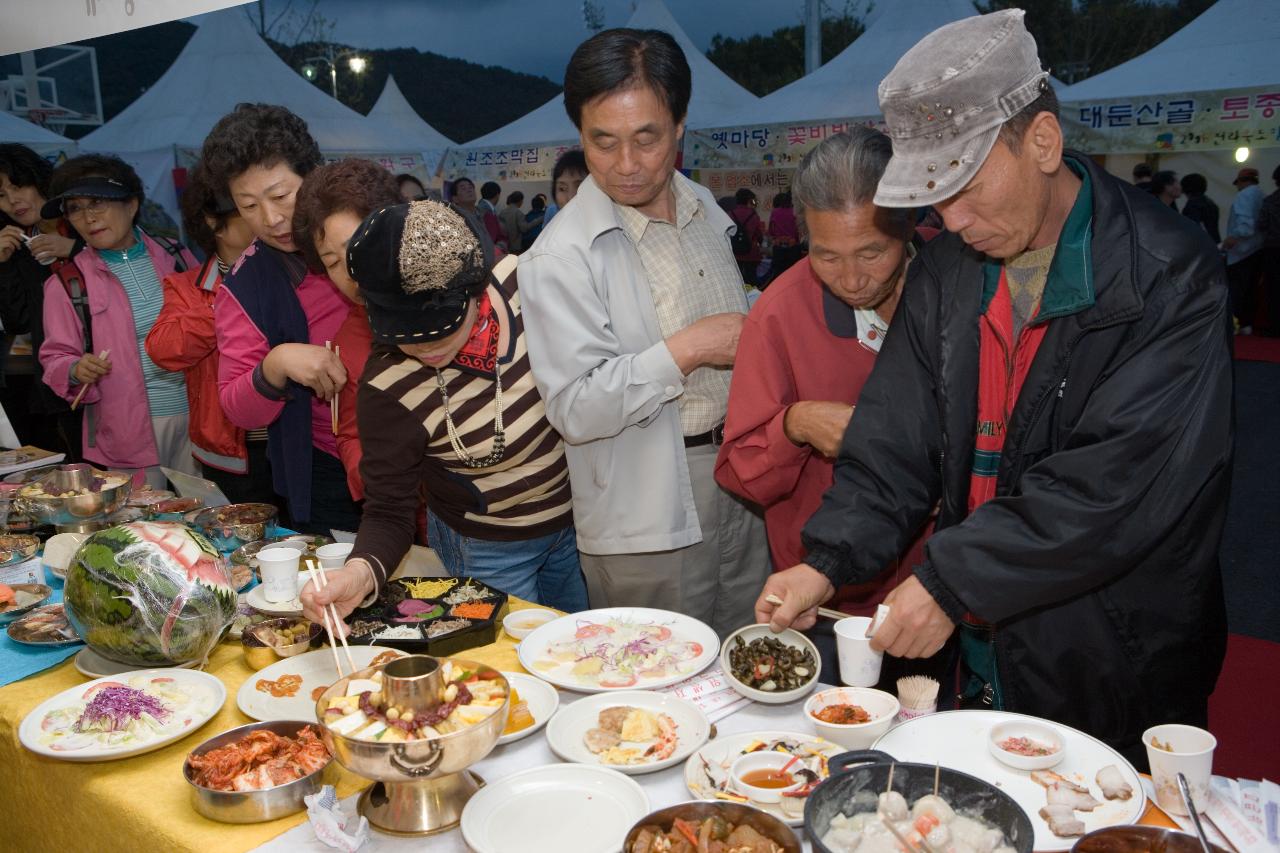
1057	383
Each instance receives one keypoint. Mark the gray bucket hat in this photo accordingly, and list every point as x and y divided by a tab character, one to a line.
945	100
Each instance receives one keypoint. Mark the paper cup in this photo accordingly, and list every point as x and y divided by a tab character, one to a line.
334	556
859	665
1192	756
279	570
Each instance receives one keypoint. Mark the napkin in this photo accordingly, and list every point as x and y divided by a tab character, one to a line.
333	827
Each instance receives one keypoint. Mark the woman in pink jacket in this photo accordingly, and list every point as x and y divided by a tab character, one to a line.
94	349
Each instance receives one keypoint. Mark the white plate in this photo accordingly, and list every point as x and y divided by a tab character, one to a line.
565	733
534	650
707	770
257	599
316	669
958	739
552	809
543	701
93	665
208	696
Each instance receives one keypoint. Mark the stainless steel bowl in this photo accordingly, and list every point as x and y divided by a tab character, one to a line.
415	760
735	813
259	654
235	525
47	509
37	589
1140	839
253	806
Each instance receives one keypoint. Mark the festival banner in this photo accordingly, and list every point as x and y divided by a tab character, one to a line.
507	164
762	146
1200	121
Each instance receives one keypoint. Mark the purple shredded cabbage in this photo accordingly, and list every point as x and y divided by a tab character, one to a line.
112	709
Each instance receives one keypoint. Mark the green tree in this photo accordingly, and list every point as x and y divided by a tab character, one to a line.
1086	37
761	63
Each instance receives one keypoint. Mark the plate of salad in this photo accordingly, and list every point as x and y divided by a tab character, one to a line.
619	648
122	715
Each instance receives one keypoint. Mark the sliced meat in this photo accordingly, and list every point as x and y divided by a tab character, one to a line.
1062	821
1060	795
1048	777
1112	783
611	718
598	740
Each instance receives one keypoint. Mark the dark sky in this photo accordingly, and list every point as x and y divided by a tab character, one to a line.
536	36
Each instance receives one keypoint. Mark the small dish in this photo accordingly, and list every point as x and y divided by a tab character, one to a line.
521	623
16	548
29	596
1034	735
883	708
791	638
259	652
542	699
762	763
257	599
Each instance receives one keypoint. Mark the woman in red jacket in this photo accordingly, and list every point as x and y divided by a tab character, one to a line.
331	203
183	338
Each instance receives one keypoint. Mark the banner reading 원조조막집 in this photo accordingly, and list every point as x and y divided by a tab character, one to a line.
33	24
1197	121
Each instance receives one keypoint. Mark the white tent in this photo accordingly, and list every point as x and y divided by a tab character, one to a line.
35	137
394	112
223	64
1234	44
845	87
715	99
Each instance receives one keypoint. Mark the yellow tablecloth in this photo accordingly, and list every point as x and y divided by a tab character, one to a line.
140	803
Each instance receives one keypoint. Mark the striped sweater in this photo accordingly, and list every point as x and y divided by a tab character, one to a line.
400	413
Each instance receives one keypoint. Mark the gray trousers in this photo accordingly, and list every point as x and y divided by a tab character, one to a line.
716	581
173	445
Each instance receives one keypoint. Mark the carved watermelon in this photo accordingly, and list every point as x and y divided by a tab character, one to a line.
149	593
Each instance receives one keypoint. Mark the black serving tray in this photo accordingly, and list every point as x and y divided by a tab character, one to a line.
367	622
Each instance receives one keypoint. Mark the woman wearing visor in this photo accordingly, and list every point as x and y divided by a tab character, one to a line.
447	403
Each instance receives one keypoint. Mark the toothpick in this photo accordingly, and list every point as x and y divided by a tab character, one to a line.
85	386
937	771
889	786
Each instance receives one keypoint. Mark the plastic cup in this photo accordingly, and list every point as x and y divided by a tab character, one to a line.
334	556
279	570
859	665
1191	755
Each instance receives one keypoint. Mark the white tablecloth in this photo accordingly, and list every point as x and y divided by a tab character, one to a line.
664	788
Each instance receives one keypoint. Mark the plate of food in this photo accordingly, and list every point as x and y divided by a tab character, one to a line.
44	626
631	731
120	716
288	689
20	598
539	700
707	772
619	648
554	808
1091	787
433	616
16	548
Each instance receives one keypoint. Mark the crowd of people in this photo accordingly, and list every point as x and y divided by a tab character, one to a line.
988	384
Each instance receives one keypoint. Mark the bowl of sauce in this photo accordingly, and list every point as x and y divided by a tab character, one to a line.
763	777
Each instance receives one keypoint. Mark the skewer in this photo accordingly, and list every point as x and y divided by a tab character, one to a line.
937	771
85	387
328	628
902	839
889	785
322	583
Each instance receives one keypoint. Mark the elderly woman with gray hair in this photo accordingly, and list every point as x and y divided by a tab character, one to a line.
809	344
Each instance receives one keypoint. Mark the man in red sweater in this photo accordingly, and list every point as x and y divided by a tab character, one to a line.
788	404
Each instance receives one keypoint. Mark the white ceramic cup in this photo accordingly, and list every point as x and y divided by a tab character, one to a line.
279	570
334	556
1192	756
859	665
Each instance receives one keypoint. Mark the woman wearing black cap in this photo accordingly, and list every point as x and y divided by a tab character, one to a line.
447	402
93	353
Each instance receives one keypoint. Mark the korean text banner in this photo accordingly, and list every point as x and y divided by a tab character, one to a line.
33	24
762	146
1200	121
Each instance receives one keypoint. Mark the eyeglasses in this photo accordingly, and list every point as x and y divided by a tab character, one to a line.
95	206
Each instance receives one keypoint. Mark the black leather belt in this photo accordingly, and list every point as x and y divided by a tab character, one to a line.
713	436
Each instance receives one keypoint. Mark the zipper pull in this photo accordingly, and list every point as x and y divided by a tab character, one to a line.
1062	387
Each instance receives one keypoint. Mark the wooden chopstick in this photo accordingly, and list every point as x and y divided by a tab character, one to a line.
328	628
333	611
333	404
85	386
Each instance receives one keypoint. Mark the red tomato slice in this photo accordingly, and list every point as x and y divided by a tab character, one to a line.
618	681
586	632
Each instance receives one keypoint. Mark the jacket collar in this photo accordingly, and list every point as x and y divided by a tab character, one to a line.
1100	215
598	215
